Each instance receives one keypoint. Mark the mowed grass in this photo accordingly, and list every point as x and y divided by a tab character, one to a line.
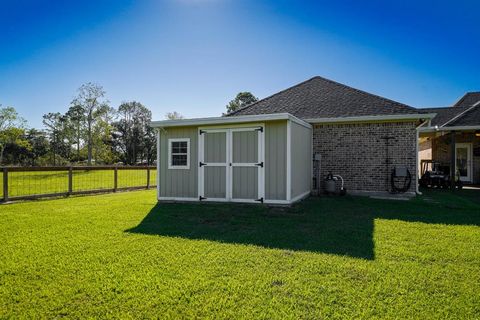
48	182
124	256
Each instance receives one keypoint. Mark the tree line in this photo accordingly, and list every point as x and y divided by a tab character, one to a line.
90	132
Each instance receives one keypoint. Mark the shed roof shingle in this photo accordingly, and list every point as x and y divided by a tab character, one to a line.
322	98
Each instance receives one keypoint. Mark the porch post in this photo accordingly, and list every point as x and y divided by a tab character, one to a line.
452	160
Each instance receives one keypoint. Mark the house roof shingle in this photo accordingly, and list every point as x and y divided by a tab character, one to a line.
469	118
455	116
468	100
322	98
444	114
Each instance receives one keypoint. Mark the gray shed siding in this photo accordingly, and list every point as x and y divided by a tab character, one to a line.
178	182
301	157
276	160
183	183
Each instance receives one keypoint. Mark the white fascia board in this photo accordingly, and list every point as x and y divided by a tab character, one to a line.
453	128
226	120
415	116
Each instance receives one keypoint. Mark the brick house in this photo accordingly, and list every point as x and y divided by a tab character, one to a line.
265	151
351	130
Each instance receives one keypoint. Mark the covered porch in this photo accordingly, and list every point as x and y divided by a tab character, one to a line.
452	151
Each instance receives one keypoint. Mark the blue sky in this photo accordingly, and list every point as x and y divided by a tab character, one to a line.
193	56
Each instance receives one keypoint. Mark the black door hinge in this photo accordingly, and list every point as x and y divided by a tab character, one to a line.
201	131
200	164
260	200
201	198
260	164
260	129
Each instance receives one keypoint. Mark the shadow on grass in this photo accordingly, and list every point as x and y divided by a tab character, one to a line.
342	226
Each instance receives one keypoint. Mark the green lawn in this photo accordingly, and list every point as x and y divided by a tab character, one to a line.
123	256
40	182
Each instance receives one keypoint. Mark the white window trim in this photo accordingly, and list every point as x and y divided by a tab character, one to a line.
170	165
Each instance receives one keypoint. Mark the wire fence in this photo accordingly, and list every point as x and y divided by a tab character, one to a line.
20	183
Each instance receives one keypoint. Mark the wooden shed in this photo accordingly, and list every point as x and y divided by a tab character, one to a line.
255	159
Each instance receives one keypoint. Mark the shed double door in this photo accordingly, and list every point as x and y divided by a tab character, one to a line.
231	164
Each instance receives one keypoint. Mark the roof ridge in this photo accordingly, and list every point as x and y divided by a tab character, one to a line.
327	80
270	96
364	92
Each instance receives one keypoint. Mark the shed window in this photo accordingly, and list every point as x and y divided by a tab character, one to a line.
179	153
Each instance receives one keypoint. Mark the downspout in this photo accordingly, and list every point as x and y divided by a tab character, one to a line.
417	131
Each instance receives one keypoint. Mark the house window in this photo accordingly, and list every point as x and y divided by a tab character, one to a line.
179	153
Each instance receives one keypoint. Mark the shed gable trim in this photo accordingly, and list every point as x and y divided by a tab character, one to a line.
228	120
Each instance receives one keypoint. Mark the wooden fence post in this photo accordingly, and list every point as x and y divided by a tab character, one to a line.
115	179
148	177
5	184
70	180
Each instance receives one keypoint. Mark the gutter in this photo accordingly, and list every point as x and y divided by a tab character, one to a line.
415	116
287	116
456	128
